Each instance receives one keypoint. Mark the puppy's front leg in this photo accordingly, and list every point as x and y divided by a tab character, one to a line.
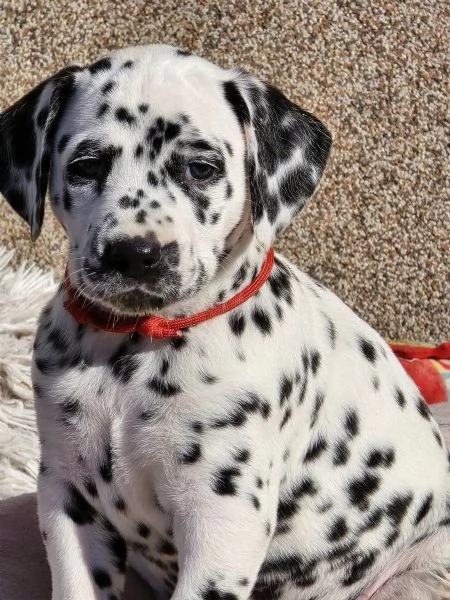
86	554
222	532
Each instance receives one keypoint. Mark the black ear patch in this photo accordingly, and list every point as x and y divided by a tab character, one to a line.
234	97
287	149
26	134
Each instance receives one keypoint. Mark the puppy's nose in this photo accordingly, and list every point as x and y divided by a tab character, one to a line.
133	257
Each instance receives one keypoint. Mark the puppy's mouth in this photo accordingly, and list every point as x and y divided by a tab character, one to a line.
122	296
135	302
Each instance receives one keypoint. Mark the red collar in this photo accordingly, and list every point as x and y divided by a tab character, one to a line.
158	327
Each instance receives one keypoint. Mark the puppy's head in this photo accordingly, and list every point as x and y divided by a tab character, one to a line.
159	165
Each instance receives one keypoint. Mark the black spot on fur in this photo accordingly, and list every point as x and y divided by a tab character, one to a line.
70	408
123	115
318	402
151	178
237	102
331	328
351	423
128	64
424	509
248	403
289	502
301	572
101	578
139	151
287	508
192	454
438	438
197	427
286	416
120	504
103	64
90	487
239	277
106	466
256	503
104	107
360	488
338	530
392	537
303	387
78	508
315	449
123	365
142	530
163	388
178	342
172	131
372	521
280	285
360	563
265	409
380	458
338	552
305	360
400	397
128	202
262	320
211	592
208	378
423	409
237	323
368	350
164	369
242	456
156	145
108	87
141	216
166	547
397	507
118	549
315	361
224	481
58	340
286	385
305	487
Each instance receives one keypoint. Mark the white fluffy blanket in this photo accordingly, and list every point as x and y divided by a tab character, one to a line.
22	295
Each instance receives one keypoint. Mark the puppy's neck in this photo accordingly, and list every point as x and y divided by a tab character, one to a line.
237	269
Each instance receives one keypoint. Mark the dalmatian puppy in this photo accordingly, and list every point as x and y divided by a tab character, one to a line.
275	451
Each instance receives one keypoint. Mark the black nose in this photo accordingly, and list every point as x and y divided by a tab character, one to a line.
133	257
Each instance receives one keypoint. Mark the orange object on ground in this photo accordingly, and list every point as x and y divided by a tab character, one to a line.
428	366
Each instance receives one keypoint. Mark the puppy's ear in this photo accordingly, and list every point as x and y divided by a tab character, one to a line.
287	149
26	132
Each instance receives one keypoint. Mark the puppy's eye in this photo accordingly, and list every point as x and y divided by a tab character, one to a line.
85	168
199	171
